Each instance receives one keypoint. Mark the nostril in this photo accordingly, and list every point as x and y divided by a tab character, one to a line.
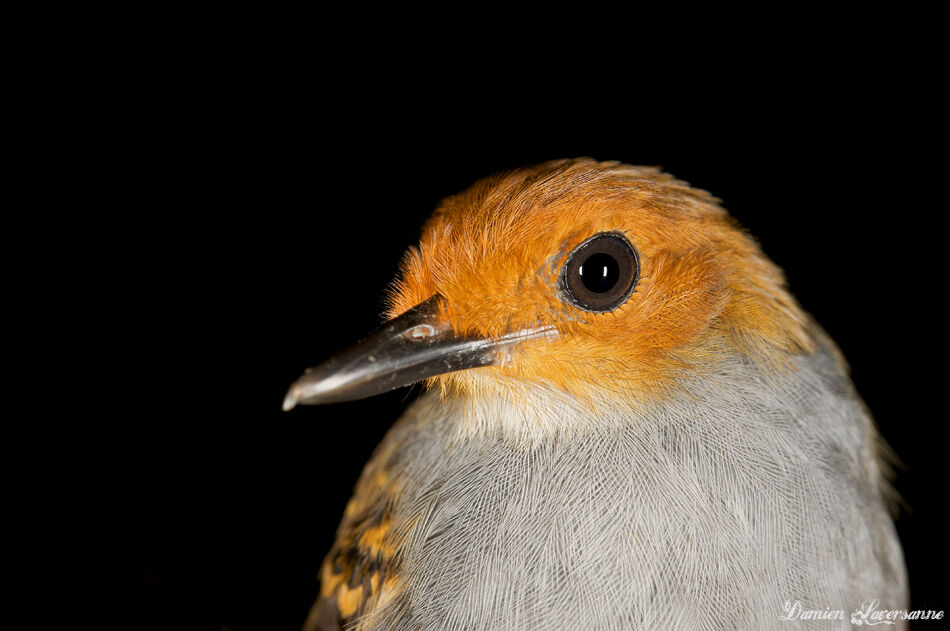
421	332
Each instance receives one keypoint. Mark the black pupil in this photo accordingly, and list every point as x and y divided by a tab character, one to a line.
600	272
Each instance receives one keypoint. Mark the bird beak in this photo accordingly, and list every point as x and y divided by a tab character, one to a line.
407	349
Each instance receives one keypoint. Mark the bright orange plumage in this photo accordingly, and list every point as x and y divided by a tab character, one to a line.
494	252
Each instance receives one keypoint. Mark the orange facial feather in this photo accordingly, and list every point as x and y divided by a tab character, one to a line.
494	253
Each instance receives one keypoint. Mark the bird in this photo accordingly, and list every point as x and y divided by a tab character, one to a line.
626	421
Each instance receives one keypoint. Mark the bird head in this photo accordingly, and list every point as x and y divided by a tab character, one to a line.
573	277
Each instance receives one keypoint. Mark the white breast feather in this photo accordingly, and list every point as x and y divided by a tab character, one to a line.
709	511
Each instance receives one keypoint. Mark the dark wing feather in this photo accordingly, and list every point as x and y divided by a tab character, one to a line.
359	570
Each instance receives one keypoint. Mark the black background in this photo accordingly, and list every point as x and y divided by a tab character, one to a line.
250	184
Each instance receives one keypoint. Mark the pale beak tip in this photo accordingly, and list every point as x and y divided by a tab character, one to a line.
290	401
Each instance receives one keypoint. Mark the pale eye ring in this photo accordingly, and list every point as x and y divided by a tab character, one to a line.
600	273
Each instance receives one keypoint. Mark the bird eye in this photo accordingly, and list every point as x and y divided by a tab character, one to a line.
600	273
